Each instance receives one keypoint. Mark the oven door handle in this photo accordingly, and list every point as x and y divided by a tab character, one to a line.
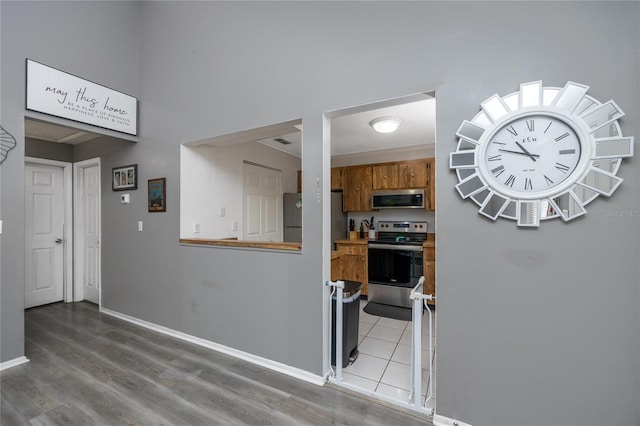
395	247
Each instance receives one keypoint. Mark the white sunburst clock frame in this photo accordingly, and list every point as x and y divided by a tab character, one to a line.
540	153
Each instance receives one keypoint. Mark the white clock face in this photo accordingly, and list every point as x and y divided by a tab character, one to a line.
540	153
532	154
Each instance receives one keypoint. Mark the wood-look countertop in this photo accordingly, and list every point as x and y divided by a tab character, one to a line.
430	242
246	244
357	241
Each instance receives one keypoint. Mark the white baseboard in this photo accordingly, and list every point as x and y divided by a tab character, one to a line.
245	356
439	420
13	363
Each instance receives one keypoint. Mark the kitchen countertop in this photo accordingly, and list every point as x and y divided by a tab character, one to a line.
431	241
243	243
356	241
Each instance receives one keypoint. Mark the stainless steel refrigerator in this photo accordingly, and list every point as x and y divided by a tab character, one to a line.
292	213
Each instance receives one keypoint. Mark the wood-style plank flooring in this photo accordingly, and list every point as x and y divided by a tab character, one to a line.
90	368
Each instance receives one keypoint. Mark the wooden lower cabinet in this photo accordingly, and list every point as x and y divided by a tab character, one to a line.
429	265
353	263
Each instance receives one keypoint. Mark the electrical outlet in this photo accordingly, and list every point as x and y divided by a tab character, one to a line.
139	226
196	227
234	225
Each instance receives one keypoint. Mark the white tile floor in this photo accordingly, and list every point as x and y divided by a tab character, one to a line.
383	365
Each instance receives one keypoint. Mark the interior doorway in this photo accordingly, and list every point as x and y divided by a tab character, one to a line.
386	365
62	231
62	216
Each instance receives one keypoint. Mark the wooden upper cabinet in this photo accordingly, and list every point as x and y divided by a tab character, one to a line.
385	176
337	178
412	174
359	181
357	189
430	190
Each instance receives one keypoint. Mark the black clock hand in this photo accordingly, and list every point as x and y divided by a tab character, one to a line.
526	152
520	153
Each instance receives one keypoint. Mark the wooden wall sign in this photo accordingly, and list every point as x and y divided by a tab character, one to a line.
58	93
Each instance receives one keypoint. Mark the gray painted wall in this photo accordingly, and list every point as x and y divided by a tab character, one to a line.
538	327
95	40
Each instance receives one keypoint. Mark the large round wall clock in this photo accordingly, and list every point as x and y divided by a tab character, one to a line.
540	153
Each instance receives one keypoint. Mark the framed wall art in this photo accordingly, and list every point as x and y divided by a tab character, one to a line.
124	178
157	195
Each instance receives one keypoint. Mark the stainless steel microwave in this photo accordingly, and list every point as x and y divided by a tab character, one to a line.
398	199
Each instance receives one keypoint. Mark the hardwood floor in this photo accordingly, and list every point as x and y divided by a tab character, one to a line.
91	368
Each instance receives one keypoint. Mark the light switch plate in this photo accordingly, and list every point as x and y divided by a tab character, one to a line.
139	226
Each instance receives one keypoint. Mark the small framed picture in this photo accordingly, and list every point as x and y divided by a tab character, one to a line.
157	195
124	178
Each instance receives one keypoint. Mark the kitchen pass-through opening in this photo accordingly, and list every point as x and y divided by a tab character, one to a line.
386	189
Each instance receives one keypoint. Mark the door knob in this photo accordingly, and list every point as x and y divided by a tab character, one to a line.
58	241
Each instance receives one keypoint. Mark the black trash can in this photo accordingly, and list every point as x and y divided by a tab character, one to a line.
350	322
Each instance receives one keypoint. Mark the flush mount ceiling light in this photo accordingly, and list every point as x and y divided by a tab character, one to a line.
385	124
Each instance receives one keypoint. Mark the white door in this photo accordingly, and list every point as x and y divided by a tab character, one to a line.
262	203
44	235
91	233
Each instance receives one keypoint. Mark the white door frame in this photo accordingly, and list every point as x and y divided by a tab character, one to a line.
68	219
78	241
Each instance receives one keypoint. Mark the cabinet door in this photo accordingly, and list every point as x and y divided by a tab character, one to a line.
337	178
357	189
430	190
412	174
385	176
430	272
354	268
336	268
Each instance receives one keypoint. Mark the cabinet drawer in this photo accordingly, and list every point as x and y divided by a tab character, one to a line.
352	249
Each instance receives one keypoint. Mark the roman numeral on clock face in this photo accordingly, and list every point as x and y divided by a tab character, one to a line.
562	167
510	181
495	157
549	181
559	138
528	184
530	125
567	151
498	170
511	130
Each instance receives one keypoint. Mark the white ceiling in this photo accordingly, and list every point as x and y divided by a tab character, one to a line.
350	129
351	132
42	130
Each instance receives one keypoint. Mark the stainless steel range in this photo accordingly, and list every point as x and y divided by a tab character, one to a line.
395	262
